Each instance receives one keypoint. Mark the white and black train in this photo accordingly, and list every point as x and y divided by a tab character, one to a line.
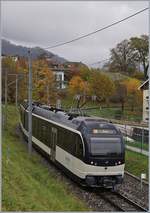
89	150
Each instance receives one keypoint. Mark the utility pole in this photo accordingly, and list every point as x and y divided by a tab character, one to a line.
5	119
30	105
16	91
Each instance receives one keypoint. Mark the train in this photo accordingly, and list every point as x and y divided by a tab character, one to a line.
89	150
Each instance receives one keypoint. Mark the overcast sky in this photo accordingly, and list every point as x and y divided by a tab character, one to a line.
48	23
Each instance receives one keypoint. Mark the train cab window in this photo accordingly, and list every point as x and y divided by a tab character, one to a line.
105	146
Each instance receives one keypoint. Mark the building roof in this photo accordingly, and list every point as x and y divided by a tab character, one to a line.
144	85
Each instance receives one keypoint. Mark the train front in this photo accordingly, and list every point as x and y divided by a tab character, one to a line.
105	153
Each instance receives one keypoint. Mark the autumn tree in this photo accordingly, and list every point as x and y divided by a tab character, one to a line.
22	84
78	86
121	93
101	86
43	81
138	75
140	47
10	68
85	73
22	64
134	95
122	59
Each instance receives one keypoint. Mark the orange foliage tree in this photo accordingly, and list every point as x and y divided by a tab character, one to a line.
101	86
77	86
10	68
134	95
43	81
22	65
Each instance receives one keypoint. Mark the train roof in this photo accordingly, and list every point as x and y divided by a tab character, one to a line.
62	117
92	122
56	116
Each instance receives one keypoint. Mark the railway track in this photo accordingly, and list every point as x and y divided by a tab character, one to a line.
121	202
137	178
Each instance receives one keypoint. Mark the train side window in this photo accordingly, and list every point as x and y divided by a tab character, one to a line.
79	148
26	121
34	125
71	143
38	128
61	137
47	133
22	117
44	133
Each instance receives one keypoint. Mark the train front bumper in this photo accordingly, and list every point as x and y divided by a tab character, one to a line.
103	181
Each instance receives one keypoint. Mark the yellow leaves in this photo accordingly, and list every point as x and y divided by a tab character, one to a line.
101	85
133	94
132	85
132	88
78	86
98	84
43	80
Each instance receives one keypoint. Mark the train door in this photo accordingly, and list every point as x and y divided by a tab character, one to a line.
54	141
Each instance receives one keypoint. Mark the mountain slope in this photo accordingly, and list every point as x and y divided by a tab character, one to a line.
10	49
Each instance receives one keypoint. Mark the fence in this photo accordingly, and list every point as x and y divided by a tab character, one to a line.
137	137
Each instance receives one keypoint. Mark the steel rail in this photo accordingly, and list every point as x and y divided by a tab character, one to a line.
135	177
121	202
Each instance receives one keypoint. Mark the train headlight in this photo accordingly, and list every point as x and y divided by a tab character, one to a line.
91	162
95	164
119	162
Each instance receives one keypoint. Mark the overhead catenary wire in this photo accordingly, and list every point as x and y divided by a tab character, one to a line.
96	31
99	62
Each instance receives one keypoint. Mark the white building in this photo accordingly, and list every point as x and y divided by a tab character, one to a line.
14	58
145	88
59	78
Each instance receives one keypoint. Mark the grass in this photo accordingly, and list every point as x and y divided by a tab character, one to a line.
138	145
114	112
136	163
111	112
27	185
